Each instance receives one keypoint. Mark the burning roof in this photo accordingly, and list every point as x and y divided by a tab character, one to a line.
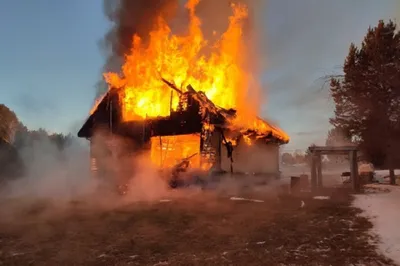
220	117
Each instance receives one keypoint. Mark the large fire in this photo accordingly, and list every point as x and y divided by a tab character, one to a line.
169	150
217	69
181	60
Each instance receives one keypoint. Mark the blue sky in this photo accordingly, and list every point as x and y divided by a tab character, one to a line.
50	61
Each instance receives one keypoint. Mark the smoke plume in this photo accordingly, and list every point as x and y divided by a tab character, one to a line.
128	18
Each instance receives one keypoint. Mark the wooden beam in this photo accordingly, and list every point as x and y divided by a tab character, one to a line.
314	182
172	85
333	148
319	170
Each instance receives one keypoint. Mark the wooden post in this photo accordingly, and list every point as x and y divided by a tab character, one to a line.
319	170
354	171
313	173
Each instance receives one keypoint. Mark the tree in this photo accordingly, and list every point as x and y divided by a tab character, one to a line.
287	158
367	98
337	137
299	157
61	140
10	161
21	137
11	164
308	154
8	124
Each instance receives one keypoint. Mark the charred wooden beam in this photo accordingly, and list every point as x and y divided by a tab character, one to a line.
172	85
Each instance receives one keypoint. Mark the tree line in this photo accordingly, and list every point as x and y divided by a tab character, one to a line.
297	157
15	133
16	138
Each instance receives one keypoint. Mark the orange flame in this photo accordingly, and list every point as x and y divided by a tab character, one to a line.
253	122
217	69
167	151
181	59
96	103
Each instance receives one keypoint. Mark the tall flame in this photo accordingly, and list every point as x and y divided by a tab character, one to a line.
216	68
182	59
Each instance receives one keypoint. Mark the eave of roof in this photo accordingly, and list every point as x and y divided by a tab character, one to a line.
277	133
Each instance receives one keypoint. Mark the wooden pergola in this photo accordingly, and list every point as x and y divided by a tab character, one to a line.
316	164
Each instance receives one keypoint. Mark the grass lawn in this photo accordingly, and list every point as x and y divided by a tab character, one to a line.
204	229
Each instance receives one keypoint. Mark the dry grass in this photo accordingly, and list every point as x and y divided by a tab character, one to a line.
202	230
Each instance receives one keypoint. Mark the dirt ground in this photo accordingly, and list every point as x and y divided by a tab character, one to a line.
205	229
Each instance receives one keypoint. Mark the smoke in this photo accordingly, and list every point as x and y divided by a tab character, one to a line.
58	180
51	173
147	183
129	18
214	16
61	184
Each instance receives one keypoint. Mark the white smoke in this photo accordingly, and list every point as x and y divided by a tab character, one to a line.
53	174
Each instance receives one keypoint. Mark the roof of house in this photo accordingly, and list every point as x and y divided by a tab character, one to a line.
221	113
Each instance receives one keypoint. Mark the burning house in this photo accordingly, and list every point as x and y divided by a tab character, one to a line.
182	107
197	130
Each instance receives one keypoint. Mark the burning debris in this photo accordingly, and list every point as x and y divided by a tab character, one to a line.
185	101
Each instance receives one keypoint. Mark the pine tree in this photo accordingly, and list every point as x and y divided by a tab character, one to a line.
367	98
338	137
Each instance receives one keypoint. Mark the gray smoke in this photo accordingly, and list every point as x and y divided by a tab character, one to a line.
128	18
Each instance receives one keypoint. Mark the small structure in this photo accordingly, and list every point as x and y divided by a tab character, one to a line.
316	164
